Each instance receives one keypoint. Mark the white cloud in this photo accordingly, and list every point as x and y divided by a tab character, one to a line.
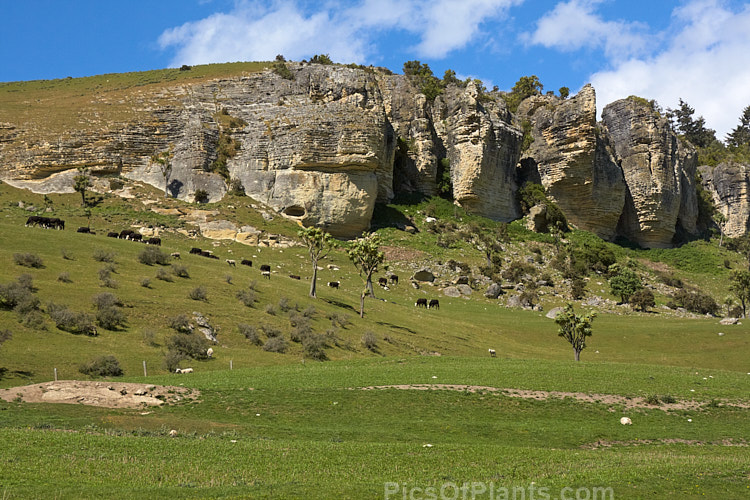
574	25
704	63
347	31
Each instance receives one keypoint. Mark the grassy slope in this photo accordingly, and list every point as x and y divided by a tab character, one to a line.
53	107
303	444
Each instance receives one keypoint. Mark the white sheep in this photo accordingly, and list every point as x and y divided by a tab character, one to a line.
626	421
210	352
232	262
173	433
176	255
184	370
492	353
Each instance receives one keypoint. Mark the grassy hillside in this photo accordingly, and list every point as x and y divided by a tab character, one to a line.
284	425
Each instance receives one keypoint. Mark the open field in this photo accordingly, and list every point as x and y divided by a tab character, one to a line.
283	425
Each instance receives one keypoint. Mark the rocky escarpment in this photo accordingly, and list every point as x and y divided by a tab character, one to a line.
659	172
325	144
573	162
729	185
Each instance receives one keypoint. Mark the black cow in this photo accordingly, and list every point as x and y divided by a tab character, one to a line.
246	262
136	237
205	253
421	303
154	241
434	304
265	270
195	251
113	234
33	220
383	281
56	223
294	277
394	279
334	284
125	234
84	229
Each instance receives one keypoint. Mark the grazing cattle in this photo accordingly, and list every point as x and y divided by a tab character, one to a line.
294	277
493	353
113	234
212	256
245	262
184	370
434	304
205	253
55	223
84	229
136	237
265	270
626	421
383	281
394	279
33	220
176	255
231	262
195	251
421	303
154	241
210	352
334	284
125	234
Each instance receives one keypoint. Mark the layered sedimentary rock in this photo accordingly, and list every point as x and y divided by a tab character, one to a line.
658	170
573	161
729	185
482	148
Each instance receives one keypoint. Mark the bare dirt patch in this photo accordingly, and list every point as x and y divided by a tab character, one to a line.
641	442
105	394
397	254
606	399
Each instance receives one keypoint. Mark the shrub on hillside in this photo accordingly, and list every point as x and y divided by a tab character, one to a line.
64	277
191	345
313	346
695	302
180	271
71	321
101	255
111	318
270	330
276	344
11	294
28	260
199	293
247	297
370	341
180	323
153	255
163	275
250	333
103	366
642	300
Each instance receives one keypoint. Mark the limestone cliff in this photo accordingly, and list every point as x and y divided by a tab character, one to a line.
573	161
658	170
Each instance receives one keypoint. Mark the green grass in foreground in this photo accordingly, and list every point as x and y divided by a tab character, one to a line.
309	431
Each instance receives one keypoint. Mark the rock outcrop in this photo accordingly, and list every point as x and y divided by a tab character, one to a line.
658	169
729	185
573	162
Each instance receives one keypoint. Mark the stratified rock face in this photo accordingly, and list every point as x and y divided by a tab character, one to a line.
729	185
657	168
573	162
483	148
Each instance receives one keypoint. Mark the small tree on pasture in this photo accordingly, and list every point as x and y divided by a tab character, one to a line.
366	256
81	183
319	244
720	220
574	328
740	286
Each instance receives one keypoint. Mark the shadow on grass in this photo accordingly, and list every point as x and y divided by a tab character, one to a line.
340	304
396	327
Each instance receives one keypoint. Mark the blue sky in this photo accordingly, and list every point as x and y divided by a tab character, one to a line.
697	50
